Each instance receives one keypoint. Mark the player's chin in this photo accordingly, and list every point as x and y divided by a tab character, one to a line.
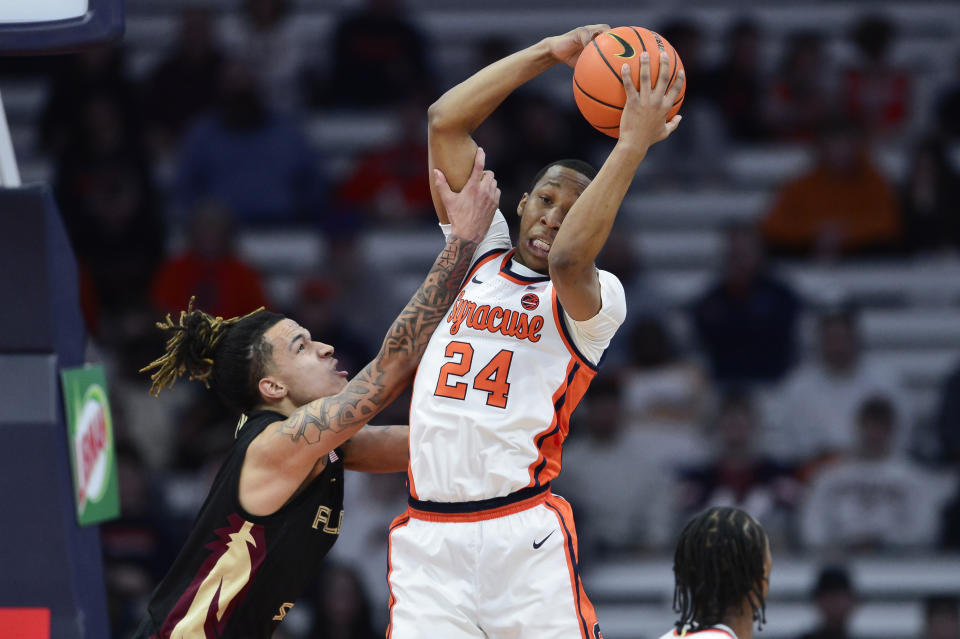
533	258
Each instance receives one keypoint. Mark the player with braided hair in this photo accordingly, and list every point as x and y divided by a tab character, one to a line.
276	505
722	571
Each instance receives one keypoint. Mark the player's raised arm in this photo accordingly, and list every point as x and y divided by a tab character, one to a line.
589	221
281	458
453	118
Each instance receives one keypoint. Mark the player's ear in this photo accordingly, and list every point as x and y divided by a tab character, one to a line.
523	202
271	389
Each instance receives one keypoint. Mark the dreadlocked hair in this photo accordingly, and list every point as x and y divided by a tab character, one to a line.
719	564
229	355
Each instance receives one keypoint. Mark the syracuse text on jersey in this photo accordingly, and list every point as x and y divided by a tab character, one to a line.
495	319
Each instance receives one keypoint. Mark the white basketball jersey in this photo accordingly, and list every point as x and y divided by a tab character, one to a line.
496	386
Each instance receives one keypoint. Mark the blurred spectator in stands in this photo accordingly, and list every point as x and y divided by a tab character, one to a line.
341	606
836	600
747	321
605	452
873	499
255	161
131	340
379	58
264	36
930	217
950	522
371	502
666	395
319	309
139	547
621	256
844	205
799	99
948	107
815	413
531	121
686	36
209	269
941	617
739	474
98	71
204	432
109	204
874	91
736	84
184	82
948	418
702	134
389	185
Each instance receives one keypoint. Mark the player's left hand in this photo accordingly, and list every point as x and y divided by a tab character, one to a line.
566	48
471	210
644	118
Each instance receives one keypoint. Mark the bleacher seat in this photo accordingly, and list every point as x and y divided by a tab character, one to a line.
912	328
923	282
766	166
283	251
691	209
396	251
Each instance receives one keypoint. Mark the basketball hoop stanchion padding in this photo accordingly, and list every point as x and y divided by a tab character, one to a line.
9	172
48	560
51	568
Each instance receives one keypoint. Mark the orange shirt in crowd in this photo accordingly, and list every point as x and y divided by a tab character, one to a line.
860	210
225	287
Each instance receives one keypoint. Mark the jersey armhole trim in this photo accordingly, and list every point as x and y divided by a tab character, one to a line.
560	318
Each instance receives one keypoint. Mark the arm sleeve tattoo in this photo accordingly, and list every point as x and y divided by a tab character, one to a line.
381	380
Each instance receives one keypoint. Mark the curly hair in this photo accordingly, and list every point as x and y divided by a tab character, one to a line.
229	355
719	564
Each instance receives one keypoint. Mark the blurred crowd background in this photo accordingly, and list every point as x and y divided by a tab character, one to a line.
791	257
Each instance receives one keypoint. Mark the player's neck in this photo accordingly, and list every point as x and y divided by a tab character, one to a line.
284	407
742	625
518	258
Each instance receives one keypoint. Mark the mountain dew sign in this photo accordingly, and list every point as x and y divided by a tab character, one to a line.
90	430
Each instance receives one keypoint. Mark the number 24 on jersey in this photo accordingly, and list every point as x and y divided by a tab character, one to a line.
492	378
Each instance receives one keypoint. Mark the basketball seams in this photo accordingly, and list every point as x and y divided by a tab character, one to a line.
612	106
676	66
604	58
639	37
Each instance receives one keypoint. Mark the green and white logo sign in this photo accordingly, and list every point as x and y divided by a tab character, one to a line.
90	430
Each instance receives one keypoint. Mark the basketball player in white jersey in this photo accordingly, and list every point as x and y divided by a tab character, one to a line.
722	570
485	549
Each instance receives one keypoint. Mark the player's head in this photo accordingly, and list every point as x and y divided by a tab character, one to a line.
722	569
876	427
838	333
835	598
261	359
542	210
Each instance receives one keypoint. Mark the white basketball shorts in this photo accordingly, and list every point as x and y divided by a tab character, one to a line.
502	568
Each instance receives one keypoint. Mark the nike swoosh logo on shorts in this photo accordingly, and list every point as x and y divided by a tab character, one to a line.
537	544
475	280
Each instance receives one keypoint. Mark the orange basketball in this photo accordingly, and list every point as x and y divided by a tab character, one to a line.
597	86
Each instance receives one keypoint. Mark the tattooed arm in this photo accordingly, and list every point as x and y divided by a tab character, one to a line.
286	455
378	449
